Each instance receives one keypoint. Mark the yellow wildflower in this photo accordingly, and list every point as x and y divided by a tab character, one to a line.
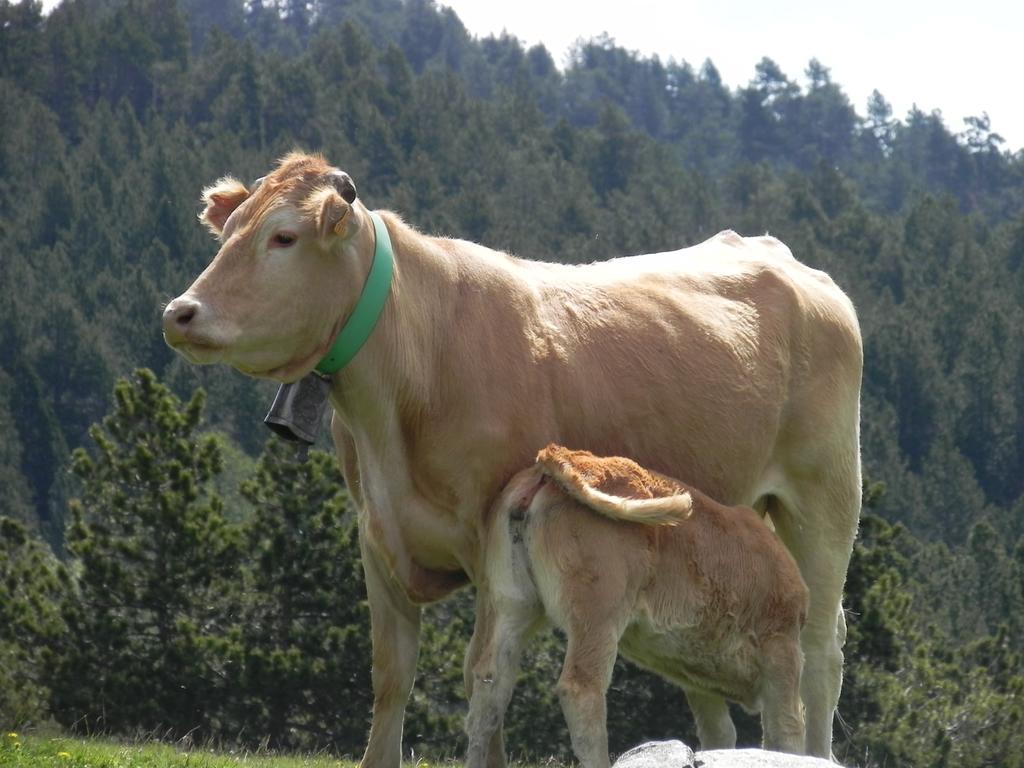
64	755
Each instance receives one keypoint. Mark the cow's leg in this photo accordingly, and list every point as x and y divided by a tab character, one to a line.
505	633
782	719
483	629
395	632
715	728
582	688
818	523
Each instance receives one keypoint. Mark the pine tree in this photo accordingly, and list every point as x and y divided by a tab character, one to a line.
32	584
16	499
151	548
298	653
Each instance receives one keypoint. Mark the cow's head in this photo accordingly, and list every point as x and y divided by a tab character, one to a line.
295	251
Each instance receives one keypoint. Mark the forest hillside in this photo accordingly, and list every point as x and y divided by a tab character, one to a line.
116	114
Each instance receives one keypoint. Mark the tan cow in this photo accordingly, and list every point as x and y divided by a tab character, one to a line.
703	594
728	364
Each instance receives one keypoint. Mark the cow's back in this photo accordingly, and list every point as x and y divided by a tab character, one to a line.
691	362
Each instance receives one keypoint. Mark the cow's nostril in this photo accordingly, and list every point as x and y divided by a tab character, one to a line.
184	316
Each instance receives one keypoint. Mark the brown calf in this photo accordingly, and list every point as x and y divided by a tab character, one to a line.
703	594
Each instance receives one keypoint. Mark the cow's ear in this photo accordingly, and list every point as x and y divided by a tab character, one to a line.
330	205
616	487
221	199
330	212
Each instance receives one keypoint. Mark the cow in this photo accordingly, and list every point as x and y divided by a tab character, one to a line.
728	364
621	558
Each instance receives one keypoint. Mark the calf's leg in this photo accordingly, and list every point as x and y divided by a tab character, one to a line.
782	718
494	677
483	629
715	728
582	688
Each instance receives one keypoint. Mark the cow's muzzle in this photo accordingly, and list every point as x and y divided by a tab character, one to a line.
178	317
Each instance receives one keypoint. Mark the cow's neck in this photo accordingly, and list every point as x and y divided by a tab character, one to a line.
415	424
396	365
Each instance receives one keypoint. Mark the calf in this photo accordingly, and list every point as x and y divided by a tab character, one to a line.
703	594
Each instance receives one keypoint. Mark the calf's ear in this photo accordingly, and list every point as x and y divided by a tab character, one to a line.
221	199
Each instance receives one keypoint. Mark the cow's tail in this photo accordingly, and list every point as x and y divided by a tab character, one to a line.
660	510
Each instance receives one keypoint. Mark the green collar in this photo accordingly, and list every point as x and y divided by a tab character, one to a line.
367	311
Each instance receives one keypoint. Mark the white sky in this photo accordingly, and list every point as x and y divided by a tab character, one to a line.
963	58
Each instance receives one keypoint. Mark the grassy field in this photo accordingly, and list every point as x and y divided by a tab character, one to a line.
41	751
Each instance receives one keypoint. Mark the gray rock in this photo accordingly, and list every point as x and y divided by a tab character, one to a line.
675	754
756	758
657	754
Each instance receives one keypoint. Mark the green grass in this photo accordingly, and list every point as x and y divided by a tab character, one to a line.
42	751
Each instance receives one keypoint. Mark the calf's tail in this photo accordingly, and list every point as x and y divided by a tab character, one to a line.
617	488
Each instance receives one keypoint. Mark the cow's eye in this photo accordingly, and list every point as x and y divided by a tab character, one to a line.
283	240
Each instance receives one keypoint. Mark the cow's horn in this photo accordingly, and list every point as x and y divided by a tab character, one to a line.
343	183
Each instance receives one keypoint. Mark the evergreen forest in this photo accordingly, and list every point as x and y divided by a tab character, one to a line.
166	569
